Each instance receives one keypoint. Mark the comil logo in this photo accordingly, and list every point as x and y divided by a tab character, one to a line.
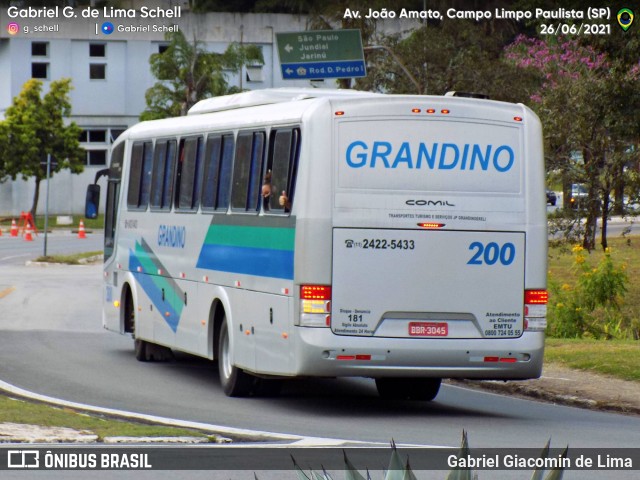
13	28
23	459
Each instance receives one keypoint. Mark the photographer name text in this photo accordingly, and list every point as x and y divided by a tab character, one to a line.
91	12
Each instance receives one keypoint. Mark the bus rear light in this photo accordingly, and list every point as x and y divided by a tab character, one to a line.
535	324
339	113
415	110
315	305
430	110
500	359
445	111
517	119
315	292
535	310
431	225
536	297
354	357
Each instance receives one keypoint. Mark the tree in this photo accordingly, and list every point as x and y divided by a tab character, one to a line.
581	103
188	73
444	56
33	128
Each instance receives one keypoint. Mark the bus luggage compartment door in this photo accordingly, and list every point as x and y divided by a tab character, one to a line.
427	283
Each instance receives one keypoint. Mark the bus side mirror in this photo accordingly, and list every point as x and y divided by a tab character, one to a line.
92	202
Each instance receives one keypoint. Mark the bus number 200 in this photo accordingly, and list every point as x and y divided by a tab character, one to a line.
492	253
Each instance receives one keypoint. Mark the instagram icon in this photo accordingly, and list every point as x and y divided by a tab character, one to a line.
13	28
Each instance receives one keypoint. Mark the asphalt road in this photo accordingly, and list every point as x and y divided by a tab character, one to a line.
51	342
16	251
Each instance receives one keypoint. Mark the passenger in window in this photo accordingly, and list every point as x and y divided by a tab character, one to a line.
284	201
266	190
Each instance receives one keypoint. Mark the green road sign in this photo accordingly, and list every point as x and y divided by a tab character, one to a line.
321	54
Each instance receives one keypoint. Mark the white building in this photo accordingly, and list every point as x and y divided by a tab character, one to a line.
110	75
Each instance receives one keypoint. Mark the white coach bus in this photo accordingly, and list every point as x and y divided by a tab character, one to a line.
314	233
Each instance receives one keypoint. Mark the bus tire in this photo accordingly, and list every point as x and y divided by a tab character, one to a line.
234	381
140	349
425	389
267	387
139	346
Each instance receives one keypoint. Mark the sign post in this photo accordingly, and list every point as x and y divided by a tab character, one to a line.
318	54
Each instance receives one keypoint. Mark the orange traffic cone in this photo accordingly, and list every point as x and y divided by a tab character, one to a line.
27	234
14	228
81	232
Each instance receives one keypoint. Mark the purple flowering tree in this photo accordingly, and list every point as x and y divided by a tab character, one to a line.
579	102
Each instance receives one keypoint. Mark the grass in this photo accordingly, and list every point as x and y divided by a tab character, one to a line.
621	357
15	410
96	224
624	251
617	358
75	259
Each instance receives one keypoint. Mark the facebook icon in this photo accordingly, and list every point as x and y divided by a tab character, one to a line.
107	28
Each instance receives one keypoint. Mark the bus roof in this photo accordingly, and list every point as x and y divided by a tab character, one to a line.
285	105
270	96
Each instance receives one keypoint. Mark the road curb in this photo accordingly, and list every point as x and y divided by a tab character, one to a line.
235	434
529	392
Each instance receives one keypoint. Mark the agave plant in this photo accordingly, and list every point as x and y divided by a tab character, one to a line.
399	470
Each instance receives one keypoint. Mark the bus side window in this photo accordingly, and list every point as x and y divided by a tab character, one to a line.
211	173
145	184
246	171
164	159
224	179
167	188
140	175
157	176
188	184
283	159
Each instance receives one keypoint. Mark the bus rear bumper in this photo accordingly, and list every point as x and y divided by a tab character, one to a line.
322	353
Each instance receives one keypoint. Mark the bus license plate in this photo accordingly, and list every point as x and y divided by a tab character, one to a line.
428	329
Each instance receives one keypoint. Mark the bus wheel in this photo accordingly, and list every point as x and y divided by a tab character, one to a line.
408	388
267	387
139	346
235	382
